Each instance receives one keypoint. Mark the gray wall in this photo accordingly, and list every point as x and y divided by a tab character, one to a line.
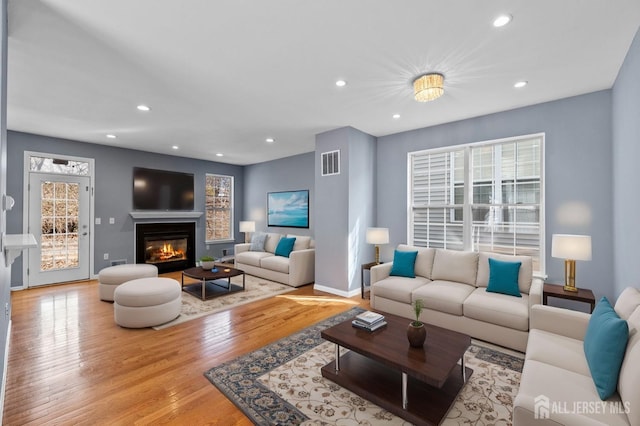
345	208
5	271
285	174
578	161
332	213
113	192
361	202
626	173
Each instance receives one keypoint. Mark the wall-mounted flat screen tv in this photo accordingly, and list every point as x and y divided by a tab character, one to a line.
288	209
162	190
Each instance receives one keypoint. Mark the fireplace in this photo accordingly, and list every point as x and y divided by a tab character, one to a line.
169	246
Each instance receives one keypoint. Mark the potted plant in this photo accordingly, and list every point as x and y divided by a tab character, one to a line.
416	333
207	262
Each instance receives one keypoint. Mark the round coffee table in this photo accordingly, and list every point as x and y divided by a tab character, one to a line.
212	281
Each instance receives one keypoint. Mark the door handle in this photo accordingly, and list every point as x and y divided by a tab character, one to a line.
84	233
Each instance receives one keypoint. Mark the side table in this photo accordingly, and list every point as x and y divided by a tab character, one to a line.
582	295
365	267
226	259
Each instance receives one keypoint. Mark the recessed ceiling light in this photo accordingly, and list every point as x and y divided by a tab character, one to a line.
396	116
110	136
219	154
341	83
143	108
520	84
270	140
502	20
174	147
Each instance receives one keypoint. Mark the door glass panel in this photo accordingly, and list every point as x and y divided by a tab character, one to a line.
55	165
59	224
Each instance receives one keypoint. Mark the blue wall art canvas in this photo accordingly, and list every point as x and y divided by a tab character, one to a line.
288	209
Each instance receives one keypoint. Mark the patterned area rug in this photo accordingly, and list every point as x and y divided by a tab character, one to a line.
281	384
255	289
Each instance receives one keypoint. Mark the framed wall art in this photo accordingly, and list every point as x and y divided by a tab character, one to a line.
288	209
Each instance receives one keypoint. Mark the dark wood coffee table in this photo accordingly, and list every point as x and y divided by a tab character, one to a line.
417	384
211	282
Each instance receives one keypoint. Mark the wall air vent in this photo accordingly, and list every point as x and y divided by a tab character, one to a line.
330	163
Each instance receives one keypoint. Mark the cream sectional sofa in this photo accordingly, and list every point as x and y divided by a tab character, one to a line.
453	286
296	270
557	388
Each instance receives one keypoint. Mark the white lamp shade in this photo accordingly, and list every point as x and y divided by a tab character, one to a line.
377	235
573	247
247	226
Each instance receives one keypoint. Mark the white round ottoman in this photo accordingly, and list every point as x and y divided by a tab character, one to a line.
111	277
146	302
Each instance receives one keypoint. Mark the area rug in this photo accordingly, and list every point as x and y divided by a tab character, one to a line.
281	384
255	289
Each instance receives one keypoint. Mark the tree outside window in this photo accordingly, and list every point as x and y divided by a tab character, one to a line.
219	208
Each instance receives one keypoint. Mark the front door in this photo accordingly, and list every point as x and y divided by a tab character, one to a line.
59	219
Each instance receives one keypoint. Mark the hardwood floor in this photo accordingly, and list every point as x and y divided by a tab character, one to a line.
69	363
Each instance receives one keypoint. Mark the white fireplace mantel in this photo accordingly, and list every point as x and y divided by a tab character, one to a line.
148	214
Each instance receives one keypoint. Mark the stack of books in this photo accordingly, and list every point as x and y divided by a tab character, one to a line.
369	321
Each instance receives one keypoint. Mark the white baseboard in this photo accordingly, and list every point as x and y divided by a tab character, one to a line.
4	371
336	291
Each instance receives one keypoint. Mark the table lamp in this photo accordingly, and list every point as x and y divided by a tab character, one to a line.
247	226
570	248
377	236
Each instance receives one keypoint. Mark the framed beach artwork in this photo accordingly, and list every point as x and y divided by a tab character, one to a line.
288	209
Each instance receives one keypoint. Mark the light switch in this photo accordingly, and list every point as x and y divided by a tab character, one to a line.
98	221
112	220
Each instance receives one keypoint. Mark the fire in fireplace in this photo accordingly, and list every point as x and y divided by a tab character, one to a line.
158	251
169	246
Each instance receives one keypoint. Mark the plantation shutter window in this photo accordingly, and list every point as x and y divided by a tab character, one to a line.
438	199
484	197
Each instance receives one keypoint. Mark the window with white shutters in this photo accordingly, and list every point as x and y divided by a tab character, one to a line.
486	196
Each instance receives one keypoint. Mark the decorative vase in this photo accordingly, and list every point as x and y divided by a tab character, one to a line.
416	335
207	265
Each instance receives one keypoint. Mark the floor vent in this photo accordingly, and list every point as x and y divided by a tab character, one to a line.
118	262
330	163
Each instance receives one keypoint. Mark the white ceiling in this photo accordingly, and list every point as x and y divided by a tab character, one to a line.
221	76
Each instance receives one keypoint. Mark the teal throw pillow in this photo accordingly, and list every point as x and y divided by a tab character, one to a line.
257	241
503	277
404	264
285	246
604	345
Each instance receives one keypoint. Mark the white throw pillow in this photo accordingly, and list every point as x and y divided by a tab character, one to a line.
302	242
272	242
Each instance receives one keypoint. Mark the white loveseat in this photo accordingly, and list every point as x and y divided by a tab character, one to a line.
453	286
296	270
557	388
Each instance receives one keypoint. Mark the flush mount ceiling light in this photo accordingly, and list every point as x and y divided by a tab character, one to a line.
341	83
428	87
143	108
520	84
175	147
270	140
219	154
110	136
